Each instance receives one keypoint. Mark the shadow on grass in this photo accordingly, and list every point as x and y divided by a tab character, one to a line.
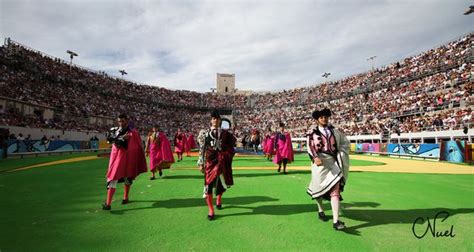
239	174
195	202
372	217
291	209
369	215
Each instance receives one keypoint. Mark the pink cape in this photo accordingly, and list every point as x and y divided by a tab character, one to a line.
127	163
191	144
268	144
179	143
161	156
284	150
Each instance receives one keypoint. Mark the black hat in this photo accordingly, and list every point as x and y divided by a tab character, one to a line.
325	112
123	116
215	114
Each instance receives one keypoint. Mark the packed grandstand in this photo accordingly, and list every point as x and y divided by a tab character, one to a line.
426	92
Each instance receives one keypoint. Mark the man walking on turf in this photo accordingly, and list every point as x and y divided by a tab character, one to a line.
283	148
328	149
190	143
215	158
268	143
127	159
159	149
179	143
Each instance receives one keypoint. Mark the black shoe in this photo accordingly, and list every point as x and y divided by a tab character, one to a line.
161	173
219	207
279	169
339	225
322	216
125	201
106	207
152	178
210	217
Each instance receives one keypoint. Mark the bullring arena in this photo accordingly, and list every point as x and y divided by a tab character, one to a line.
220	134
255	209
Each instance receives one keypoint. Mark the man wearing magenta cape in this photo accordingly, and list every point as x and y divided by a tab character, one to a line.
215	159
190	144
179	143
127	160
159	149
283	149
268	144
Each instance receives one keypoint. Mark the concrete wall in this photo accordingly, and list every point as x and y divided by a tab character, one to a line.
37	133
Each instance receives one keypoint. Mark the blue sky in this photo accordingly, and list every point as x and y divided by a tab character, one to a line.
269	45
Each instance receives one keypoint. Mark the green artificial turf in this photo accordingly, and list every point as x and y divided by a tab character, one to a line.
59	208
8	164
261	161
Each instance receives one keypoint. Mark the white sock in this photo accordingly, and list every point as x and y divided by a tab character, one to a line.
319	202
335	208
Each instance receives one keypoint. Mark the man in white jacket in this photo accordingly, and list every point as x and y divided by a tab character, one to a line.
328	149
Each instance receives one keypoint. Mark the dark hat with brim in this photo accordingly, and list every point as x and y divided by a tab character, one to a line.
318	113
215	114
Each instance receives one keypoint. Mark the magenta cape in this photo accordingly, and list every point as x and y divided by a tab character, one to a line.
284	150
179	143
268	144
127	163
161	156
191	144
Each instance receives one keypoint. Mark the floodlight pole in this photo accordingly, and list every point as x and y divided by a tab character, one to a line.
372	59
71	55
122	72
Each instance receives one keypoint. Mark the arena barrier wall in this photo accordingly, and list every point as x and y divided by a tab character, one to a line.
454	151
422	150
450	151
367	147
296	146
20	146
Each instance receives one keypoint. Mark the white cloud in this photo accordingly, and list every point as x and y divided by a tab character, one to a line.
270	45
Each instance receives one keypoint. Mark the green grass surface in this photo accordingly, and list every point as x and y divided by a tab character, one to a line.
8	164
260	161
59	208
188	162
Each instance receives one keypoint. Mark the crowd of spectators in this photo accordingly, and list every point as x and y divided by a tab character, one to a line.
429	91
400	94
